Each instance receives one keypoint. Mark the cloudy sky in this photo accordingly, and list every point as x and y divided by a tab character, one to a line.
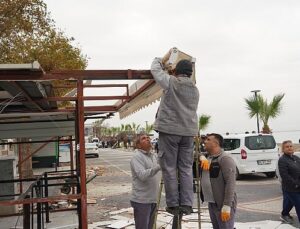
240	45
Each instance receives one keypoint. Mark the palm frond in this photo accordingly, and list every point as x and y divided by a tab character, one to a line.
204	121
275	106
252	105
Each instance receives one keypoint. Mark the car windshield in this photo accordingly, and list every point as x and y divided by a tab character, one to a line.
231	144
260	142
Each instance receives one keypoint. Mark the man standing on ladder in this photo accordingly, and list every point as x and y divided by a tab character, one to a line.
218	184
177	124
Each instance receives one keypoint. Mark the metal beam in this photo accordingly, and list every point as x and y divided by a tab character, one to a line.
28	97
94	86
106	85
69	98
98	75
51	199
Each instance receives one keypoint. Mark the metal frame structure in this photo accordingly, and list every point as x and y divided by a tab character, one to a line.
16	76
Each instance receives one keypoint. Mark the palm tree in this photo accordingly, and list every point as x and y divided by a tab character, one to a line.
135	127
259	105
128	127
203	121
149	128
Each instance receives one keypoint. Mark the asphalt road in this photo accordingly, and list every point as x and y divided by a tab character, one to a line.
259	197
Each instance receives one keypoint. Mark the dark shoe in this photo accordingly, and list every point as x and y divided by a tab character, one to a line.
287	219
186	210
173	210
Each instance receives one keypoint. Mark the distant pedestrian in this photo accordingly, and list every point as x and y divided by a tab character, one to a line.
156	146
145	183
218	184
177	124
289	170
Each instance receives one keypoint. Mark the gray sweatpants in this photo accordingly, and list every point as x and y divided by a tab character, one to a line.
215	217
176	154
144	215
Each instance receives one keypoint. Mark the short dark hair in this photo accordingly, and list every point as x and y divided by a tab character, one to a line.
218	137
184	67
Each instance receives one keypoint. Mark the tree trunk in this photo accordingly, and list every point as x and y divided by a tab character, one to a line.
266	129
26	167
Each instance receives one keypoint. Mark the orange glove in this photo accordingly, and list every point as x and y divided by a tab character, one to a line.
225	213
204	163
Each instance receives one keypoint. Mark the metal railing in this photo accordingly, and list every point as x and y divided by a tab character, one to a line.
36	199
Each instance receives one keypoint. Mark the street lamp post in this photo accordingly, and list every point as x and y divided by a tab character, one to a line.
257	121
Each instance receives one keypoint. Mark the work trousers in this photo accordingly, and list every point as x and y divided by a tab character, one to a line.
287	205
215	217
144	215
176	156
294	197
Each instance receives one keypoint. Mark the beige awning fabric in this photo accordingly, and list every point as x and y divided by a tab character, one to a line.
151	92
148	96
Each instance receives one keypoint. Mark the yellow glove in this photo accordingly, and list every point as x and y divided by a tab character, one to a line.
225	213
204	163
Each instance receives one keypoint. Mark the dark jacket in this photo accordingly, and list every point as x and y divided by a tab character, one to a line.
289	169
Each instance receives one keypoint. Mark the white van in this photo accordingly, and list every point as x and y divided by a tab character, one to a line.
253	153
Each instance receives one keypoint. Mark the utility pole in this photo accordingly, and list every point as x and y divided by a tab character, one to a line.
257	120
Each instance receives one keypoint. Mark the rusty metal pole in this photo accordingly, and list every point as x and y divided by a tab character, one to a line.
46	195
72	160
26	214
20	167
80	123
77	162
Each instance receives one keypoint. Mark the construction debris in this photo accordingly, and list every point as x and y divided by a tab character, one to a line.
91	201
123	218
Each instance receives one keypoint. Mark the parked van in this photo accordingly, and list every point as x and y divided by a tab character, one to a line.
253	153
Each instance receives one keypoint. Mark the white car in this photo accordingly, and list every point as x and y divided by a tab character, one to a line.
154	141
253	153
91	150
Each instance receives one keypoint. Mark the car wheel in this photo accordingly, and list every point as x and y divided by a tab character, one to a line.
270	174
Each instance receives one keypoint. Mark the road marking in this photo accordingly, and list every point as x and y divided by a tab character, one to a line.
258	210
122	170
262	201
246	206
257	183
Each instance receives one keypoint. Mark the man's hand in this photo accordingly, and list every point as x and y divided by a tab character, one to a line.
166	57
225	213
204	163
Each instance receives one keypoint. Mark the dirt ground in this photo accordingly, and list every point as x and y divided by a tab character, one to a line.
111	190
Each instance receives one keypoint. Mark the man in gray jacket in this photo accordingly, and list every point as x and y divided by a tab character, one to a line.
218	184
177	124
145	183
